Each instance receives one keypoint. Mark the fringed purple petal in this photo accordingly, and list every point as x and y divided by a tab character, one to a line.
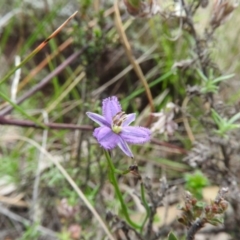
135	135
130	118
110	107
123	133
98	119
96	131
106	137
124	147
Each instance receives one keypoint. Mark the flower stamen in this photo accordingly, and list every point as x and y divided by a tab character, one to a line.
119	118
117	121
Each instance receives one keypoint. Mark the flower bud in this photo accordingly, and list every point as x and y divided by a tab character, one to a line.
188	207
204	3
194	201
224	205
182	220
215	208
138	8
222	11
207	209
133	6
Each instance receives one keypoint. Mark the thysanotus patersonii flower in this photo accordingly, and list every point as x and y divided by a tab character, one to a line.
114	127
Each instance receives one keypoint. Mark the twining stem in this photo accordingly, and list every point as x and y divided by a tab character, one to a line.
118	192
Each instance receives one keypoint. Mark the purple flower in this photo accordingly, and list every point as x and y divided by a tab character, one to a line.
114	127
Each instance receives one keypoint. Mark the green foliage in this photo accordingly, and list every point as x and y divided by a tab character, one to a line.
31	232
195	183
216	220
195	214
85	3
64	235
171	236
134	3
10	169
210	84
225	125
103	60
20	110
166	55
52	177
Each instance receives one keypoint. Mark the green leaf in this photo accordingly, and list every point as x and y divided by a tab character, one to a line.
171	164
222	78
216	117
135	3
195	182
137	92
19	109
234	118
171	236
216	221
202	75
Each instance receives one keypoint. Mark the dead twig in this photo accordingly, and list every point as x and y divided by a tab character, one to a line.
29	124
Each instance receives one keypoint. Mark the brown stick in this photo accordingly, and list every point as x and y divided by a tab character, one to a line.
28	124
196	226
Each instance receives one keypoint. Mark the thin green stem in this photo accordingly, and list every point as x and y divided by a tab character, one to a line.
36	50
19	109
145	205
135	3
121	172
13	70
118	192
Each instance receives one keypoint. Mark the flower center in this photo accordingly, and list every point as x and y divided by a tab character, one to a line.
117	122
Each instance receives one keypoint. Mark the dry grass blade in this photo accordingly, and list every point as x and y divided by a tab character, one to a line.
186	123
14	201
40	85
70	181
66	92
43	44
141	59
42	64
38	48
130	56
